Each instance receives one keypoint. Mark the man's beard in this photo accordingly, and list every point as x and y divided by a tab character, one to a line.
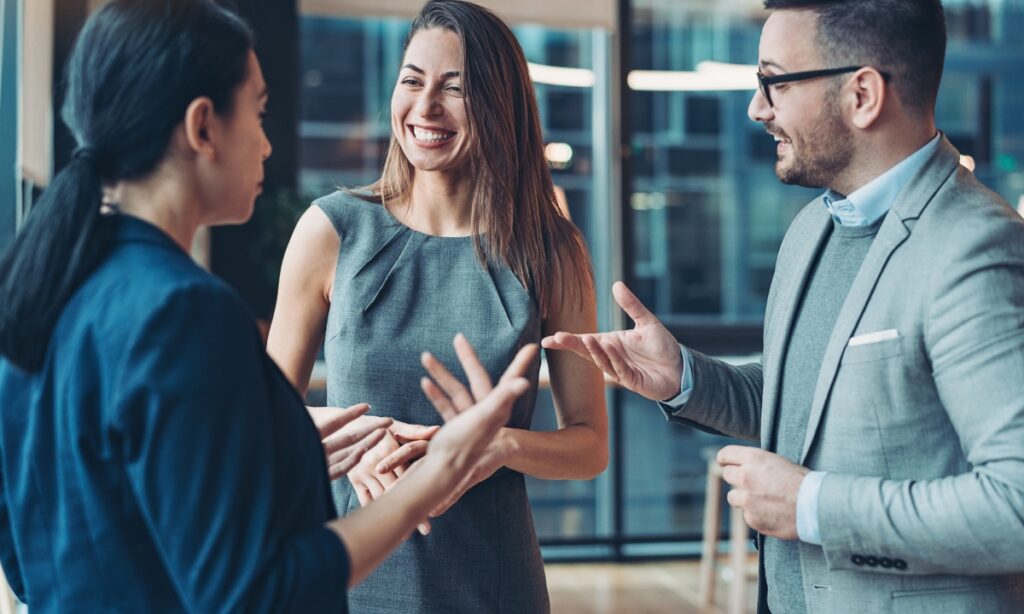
825	151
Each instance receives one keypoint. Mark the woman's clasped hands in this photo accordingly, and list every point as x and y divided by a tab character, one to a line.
375	452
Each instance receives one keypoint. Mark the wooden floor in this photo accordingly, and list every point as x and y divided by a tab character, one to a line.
633	588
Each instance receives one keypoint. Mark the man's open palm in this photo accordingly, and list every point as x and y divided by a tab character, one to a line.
645	360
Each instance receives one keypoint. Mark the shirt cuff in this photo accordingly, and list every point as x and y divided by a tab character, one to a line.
807	528
685	383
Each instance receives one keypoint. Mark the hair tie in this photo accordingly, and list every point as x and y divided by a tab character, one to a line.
86	154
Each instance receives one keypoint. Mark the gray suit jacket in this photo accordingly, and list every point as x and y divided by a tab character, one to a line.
923	433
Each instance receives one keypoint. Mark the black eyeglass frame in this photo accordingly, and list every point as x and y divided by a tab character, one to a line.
766	82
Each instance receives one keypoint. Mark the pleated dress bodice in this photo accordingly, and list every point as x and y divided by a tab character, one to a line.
396	294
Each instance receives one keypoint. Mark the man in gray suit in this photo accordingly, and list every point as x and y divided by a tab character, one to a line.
889	402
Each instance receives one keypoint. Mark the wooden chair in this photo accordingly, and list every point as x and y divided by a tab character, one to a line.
738	546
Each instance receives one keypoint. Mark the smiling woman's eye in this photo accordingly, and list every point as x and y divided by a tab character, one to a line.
410	81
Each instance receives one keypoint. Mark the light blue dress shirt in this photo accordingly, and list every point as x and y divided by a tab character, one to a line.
863	207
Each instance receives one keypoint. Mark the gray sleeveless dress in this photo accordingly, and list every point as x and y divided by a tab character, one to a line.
398	292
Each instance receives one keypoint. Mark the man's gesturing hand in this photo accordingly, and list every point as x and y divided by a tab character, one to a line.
645	360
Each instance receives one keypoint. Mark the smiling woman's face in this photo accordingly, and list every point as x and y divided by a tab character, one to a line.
428	107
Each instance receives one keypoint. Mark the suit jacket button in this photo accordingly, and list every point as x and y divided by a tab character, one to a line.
899	564
885	562
871	561
857	560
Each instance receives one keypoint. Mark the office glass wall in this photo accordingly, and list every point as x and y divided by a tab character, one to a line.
709	215
706	212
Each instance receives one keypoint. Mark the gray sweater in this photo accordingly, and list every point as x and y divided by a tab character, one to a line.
834	272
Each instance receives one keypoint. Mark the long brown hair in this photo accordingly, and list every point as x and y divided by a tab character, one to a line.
515	217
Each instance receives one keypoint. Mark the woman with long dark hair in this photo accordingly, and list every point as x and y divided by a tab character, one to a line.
152	456
461	234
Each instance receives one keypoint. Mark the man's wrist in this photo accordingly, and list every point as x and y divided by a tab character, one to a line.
685	389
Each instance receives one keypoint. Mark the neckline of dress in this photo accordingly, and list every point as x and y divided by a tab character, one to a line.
421	233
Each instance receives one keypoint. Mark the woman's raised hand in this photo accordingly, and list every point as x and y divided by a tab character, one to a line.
473	416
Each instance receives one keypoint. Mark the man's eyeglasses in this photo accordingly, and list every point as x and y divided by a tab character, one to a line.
766	82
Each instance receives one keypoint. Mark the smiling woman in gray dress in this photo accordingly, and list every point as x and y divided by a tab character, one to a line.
461	234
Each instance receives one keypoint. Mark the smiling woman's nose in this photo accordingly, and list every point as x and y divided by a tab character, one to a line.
427	104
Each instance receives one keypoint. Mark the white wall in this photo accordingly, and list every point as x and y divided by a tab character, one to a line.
35	112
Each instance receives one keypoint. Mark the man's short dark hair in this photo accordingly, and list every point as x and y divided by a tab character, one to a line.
904	37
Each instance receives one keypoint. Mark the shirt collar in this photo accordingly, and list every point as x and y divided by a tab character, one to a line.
130	229
869	203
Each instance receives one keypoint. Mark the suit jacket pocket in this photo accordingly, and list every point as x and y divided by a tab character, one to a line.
984	596
872	351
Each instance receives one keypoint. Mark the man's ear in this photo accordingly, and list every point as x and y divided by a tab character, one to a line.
868	96
199	126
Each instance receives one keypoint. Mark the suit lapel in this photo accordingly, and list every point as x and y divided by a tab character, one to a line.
790	293
909	205
890	236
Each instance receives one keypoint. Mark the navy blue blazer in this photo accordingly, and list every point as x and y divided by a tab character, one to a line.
160	461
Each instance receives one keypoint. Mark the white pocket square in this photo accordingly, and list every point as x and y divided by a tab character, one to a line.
868	338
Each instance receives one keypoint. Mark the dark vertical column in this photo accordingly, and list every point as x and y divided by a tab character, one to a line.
986	110
237	253
625	145
9	182
276	24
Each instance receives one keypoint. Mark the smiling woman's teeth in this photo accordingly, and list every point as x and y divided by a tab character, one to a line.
431	135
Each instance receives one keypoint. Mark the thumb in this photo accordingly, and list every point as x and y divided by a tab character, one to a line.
405	432
632	305
497	406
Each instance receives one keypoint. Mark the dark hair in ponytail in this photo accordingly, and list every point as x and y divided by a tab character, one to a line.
135	68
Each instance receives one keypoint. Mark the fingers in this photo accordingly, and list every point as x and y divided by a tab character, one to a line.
621	366
632	305
402	456
734	476
375	487
566	341
598	355
460	397
354	433
737	498
438	399
583	346
735	455
362	493
496	407
344	460
405	432
339	420
521	363
479	379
